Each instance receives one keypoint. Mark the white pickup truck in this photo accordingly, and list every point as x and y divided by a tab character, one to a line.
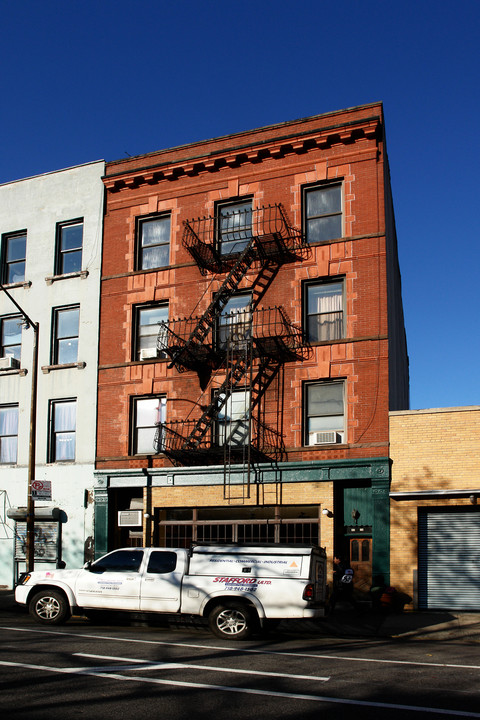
238	588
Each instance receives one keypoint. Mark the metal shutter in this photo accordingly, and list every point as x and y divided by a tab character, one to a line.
449	560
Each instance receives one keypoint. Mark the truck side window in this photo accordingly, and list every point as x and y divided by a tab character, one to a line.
162	562
120	561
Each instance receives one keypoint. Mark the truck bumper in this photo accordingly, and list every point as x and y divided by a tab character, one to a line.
315	612
21	594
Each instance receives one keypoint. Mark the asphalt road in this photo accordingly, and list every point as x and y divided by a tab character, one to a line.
81	670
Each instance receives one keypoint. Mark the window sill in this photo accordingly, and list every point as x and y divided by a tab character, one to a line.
53	278
24	284
14	371
48	368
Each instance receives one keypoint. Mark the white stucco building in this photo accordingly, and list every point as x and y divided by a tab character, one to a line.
51	240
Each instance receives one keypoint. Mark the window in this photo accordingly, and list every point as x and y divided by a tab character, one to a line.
8	433
325	422
63	415
323	213
65	335
69	247
154	242
119	561
162	562
324	311
233	419
148	412
13	258
147	319
11	336
234	230
235	321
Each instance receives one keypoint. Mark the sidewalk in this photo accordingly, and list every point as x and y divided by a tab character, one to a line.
346	623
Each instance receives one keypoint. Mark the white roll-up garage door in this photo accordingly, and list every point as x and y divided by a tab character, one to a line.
449	559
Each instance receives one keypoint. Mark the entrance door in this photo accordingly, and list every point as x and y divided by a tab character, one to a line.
361	562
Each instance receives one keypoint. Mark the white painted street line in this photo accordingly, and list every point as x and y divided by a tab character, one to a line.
150	665
243	691
237	649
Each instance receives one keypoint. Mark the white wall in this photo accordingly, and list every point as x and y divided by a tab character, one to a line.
37	204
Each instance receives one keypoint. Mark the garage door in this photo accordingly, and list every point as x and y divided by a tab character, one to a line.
449	559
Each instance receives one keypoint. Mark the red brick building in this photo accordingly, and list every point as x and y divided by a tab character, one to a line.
252	341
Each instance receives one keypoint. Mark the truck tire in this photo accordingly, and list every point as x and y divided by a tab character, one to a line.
50	607
232	620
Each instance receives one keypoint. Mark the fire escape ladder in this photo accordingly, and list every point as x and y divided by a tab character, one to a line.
234	376
207	321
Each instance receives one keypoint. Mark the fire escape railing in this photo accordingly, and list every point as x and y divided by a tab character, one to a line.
275	238
172	440
256	241
269	329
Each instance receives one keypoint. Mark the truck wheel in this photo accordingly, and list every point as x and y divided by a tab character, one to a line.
232	620
49	606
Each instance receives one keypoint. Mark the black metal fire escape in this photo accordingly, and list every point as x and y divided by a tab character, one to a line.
256	344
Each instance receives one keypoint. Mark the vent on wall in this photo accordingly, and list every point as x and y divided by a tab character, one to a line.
129	518
327	438
9	363
148	353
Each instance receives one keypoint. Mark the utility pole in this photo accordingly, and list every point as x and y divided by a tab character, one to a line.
30	549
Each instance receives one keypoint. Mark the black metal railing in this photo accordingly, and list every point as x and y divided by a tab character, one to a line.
268	329
174	439
214	246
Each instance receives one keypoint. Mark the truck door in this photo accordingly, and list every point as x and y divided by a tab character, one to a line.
113	582
162	582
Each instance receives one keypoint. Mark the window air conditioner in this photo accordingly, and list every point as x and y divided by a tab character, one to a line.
327	438
9	363
129	518
148	353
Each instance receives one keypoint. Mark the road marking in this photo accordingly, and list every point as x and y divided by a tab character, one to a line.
237	649
244	691
149	665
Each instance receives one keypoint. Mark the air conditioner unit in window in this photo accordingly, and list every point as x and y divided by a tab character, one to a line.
327	438
129	518
148	353
9	363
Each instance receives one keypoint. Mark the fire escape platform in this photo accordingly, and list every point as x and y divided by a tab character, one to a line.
274	240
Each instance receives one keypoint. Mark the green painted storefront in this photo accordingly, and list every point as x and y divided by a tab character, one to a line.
360	487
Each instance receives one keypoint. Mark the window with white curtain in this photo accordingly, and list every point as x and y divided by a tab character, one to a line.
153	242
63	424
8	434
324	316
324	413
147	413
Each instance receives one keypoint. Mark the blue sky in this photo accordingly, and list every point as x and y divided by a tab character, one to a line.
90	80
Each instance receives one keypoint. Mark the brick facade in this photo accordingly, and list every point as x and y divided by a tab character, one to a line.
269	166
434	456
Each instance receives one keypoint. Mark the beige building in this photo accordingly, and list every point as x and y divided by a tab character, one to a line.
435	506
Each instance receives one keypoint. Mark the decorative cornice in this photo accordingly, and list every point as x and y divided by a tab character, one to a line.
255	152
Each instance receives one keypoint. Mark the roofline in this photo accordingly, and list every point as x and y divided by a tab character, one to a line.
52	172
266	128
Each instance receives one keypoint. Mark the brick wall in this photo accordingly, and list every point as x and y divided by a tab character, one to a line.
270	164
430	450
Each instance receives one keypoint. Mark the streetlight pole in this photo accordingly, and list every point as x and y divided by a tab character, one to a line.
30	549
